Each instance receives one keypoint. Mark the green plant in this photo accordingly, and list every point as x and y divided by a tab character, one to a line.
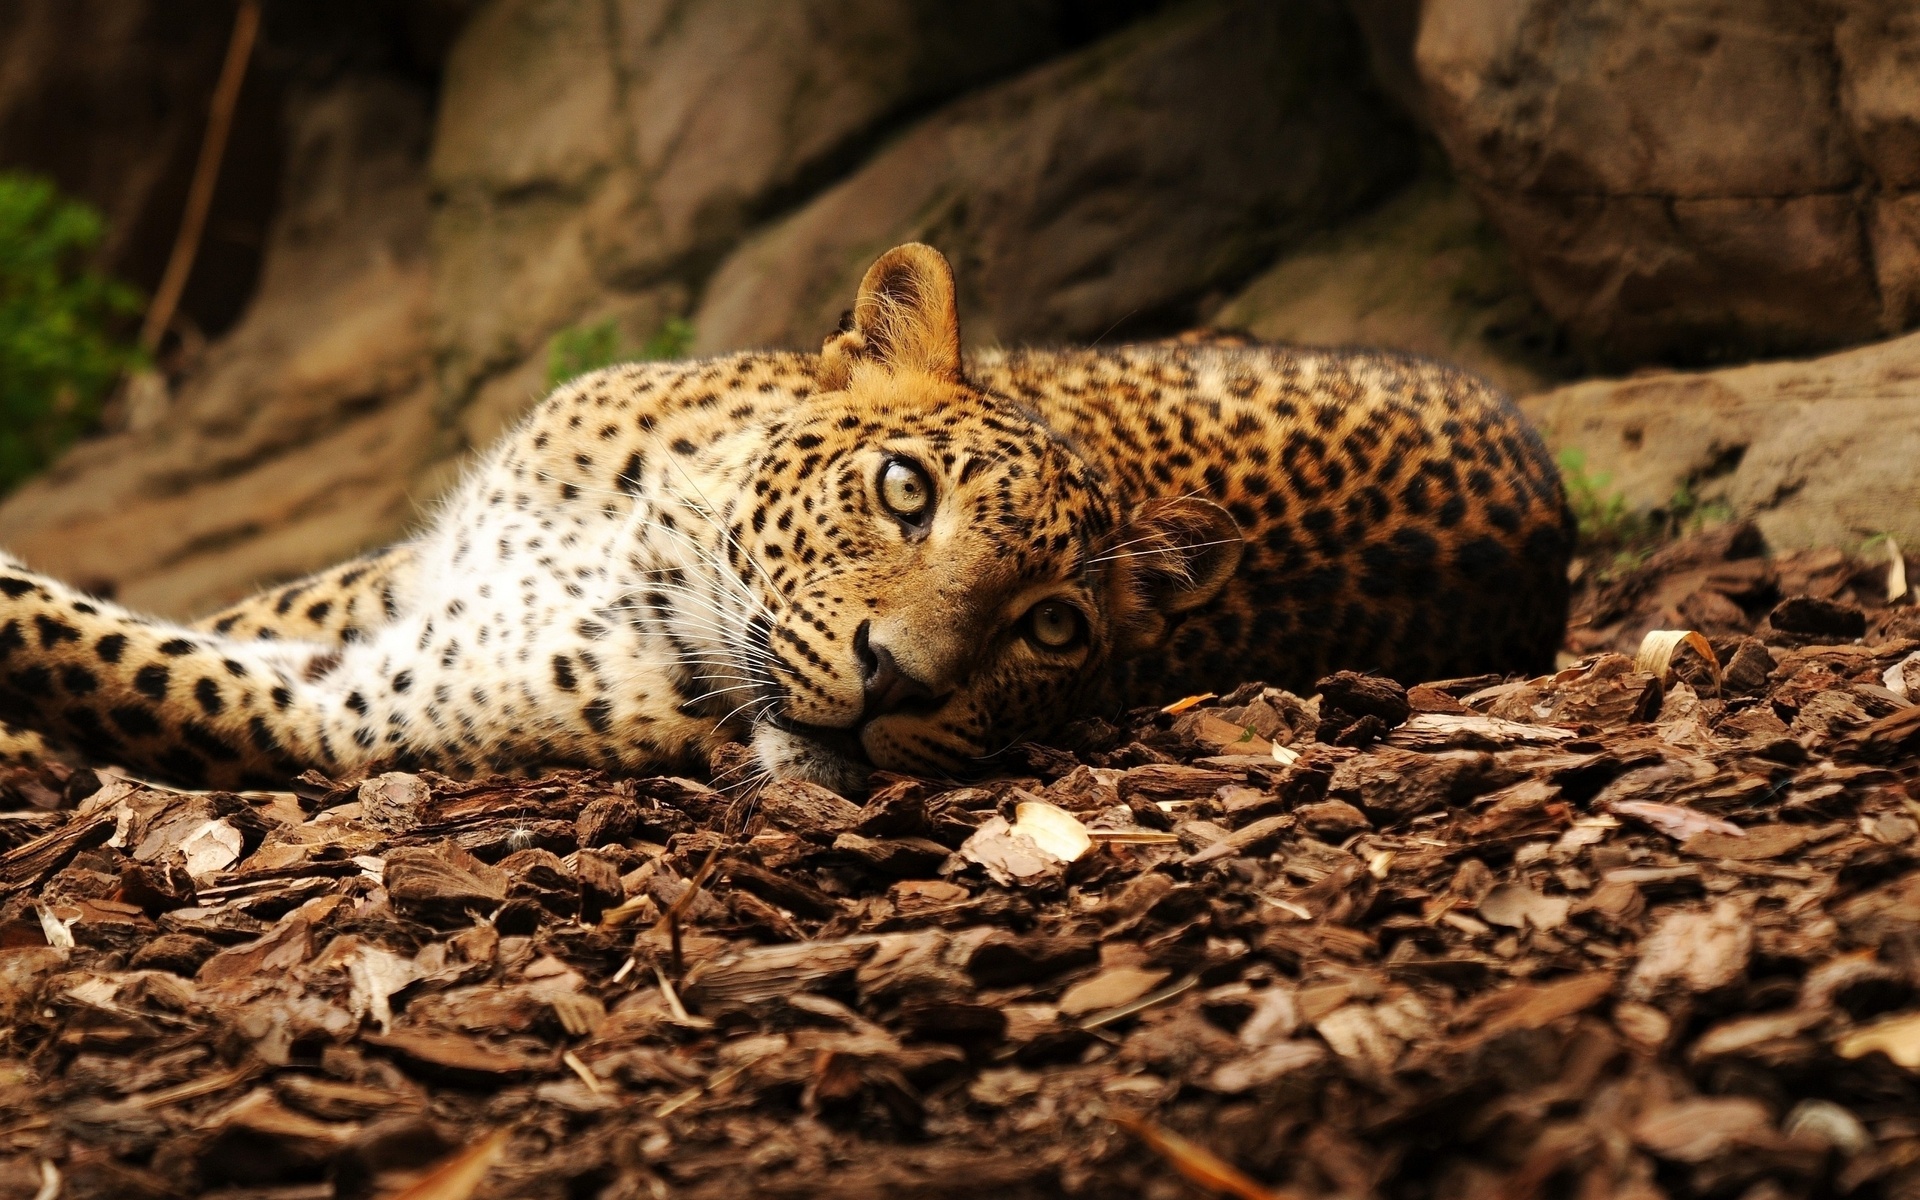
61	348
1609	527
1605	522
1686	511
672	340
582	348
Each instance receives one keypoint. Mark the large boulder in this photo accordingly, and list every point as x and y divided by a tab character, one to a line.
1692	180
294	443
1420	273
592	161
1109	191
1817	453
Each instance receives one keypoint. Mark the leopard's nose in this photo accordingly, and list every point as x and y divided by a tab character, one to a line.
887	688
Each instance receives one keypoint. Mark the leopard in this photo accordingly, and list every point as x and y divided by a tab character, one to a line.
890	555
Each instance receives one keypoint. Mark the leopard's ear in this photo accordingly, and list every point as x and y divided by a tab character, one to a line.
904	318
1178	554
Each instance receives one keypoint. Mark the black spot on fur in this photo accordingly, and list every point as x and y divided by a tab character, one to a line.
137	720
54	631
262	736
32	681
208	742
207	693
151	681
184	765
175	647
15	588
629	477
111	647
598	714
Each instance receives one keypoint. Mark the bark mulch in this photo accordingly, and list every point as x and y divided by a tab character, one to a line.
1625	930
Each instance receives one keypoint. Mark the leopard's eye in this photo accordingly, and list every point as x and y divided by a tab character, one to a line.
1053	624
905	490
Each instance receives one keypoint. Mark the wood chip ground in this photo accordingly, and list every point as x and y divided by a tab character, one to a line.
1595	934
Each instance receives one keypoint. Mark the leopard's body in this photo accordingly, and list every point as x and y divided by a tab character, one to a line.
876	555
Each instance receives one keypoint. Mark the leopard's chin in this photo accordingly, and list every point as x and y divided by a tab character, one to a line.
790	754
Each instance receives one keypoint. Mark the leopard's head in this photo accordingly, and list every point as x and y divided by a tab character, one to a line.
941	574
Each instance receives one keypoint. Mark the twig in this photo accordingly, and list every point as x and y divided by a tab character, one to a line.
1197	1163
680	906
206	172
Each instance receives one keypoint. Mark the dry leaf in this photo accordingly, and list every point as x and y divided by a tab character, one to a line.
376	976
1517	907
210	849
1897	1037
1053	829
1903	678
1696	1130
1006	856
1265	1065
59	933
1660	645
1676	822
1693	951
457	1176
1041	839
1896	572
1110	988
1186	702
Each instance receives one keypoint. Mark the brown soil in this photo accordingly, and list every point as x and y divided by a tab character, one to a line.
1594	934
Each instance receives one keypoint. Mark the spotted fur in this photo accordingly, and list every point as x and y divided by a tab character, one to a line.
666	556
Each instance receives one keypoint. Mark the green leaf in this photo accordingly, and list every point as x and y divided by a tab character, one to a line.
583	348
62	326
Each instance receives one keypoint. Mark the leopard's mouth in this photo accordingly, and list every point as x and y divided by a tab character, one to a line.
832	758
844	742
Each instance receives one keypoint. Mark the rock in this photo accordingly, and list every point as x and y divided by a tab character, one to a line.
1703	180
293	445
593	159
1112	188
1815	453
1423	273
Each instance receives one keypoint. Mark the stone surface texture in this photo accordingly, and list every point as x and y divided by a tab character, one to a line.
1421	273
592	160
1824	452
1698	180
1108	191
294	442
629	161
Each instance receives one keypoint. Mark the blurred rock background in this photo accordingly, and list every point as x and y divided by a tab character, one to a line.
427	203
